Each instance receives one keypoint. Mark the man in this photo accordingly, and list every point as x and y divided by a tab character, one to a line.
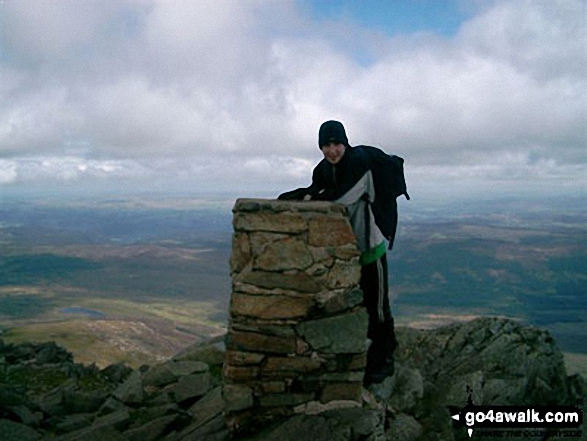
367	181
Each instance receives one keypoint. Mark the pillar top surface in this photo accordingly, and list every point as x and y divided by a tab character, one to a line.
276	206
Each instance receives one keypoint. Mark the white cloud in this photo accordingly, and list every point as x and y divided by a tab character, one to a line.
234	92
49	31
542	38
8	172
65	169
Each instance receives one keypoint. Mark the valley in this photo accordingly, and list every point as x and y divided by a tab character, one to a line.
137	279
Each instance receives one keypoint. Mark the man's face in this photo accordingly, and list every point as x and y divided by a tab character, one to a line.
333	152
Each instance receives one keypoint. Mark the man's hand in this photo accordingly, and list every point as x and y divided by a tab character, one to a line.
299	194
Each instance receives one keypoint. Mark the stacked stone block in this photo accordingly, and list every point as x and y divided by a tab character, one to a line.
296	340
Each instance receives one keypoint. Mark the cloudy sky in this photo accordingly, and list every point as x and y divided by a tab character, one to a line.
480	97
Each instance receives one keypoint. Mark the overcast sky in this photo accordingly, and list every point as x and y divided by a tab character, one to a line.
480	97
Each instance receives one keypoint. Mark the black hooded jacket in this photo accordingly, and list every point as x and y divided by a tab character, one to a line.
331	182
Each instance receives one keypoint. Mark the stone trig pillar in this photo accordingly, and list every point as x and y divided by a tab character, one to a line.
297	335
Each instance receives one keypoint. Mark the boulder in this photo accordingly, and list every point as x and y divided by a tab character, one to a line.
351	424
207	408
403	427
131	391
403	391
190	386
501	360
13	431
151	431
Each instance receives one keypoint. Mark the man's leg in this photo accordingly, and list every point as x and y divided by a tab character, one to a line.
381	327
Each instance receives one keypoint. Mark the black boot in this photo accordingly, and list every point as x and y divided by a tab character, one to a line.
379	374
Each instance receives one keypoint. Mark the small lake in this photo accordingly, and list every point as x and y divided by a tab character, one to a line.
83	311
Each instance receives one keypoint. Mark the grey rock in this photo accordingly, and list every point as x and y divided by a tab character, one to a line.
277	206
214	430
208	407
162	397
501	391
335	301
180	368
131	391
111	405
12	431
288	222
338	334
465	386
495	361
310	427
285	400
299	281
10	398
49	353
52	403
159	376
403	391
117	420
116	372
71	423
76	401
237	397
577	387
436	424
151	431
340	377
190	386
93	434
403	427
521	358
26	416
151	413
335	425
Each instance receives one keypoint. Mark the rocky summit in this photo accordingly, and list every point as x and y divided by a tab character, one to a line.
44	395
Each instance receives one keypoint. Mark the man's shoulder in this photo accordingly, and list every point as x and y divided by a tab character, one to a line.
376	156
370	150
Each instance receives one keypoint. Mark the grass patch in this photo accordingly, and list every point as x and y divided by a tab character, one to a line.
35	379
131	332
86	344
184	313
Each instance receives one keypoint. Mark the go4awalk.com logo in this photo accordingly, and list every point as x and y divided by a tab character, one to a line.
506	421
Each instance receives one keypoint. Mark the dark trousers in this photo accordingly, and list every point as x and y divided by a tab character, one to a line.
376	299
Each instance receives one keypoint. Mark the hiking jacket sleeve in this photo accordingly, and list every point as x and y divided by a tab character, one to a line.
318	190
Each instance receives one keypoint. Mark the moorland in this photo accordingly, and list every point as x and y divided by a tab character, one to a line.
136	279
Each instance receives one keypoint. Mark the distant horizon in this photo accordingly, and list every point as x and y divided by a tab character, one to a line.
578	202
147	256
